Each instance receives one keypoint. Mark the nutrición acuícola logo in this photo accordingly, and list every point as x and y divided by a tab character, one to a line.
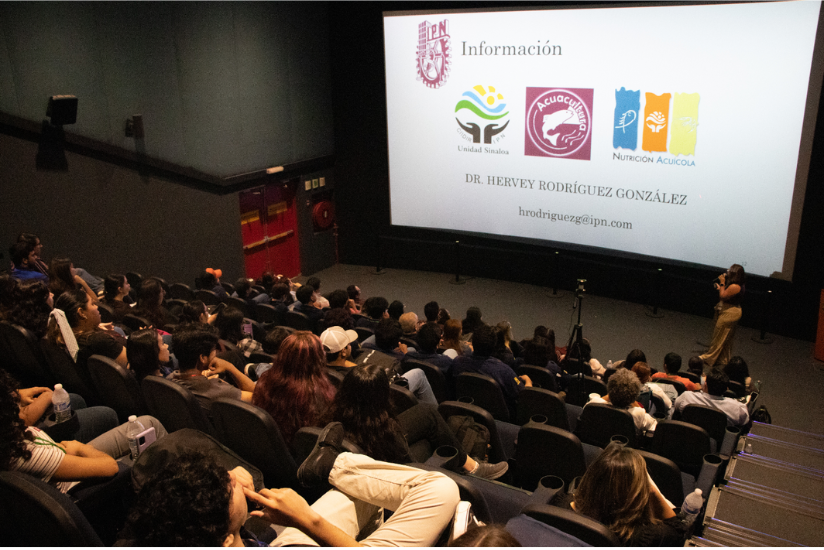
559	122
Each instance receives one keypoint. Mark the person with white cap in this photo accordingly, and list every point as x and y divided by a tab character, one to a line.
337	344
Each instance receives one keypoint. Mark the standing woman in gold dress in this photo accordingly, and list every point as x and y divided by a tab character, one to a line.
727	314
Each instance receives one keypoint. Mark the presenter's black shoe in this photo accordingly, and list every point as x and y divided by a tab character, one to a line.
316	468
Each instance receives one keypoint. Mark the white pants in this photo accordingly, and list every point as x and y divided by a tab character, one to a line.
423	504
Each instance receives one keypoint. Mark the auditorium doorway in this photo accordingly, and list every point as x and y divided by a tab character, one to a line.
269	224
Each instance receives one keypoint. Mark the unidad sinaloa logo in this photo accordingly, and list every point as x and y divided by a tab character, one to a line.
482	116
559	122
434	53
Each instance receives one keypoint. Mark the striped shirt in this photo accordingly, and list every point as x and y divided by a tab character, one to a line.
46	457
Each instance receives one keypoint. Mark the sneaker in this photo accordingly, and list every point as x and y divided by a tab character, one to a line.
463	520
490	471
316	468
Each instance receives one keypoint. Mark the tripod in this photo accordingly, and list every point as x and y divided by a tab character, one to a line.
575	347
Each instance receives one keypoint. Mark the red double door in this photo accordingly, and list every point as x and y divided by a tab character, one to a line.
269	224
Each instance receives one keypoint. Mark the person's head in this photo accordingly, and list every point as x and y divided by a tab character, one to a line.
536	352
150	295
484	339
376	307
505	328
642	371
12	427
492	535
716	382
473	316
396	310
633	357
388	334
229	322
428	339
354	293
195	347
62	269
696	365
242	287
274	338
33	239
195	503
615	490
443	316
279	291
623	388
737	369
336	340
81	312
452	330
584	353
735	276
672	363
363	406
22	254
339	317
267	280
305	295
314	282
430	311
115	286
31	305
409	322
301	355
338	299
146	350
540	331
207	280
194	311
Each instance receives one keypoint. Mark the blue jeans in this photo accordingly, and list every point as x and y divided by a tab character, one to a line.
94	421
419	385
95	283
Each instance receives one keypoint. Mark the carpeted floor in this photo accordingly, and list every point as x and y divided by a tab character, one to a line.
792	380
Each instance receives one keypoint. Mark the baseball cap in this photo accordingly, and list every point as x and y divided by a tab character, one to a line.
334	339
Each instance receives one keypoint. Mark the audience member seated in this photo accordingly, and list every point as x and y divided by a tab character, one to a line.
395	310
320	301
31	305
195	350
243	290
540	352
339	317
24	258
428	343
513	346
148	354
271	347
281	297
696	366
115	288
623	389
376	308
662	391
150	297
229	323
63	278
482	362
712	395
195	312
581	361
30	450
38	263
409	325
337	344
617	491
451	342
472	321
364	408
306	304
210	280
338	299
354	293
738	371
430	311
387	337
672	364
84	330
502	351
633	357
296	390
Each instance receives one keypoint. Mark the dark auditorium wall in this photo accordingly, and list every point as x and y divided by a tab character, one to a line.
366	236
110	219
223	87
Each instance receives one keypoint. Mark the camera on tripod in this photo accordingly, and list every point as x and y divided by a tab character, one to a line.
580	288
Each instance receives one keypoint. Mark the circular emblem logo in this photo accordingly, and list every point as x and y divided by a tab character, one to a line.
559	123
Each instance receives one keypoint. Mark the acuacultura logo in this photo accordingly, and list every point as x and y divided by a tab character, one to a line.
482	115
559	122
434	53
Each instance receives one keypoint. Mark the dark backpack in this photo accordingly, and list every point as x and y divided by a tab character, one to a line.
761	414
473	437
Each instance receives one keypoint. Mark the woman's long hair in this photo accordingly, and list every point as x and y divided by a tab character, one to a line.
452	336
61	278
191	312
111	286
149	298
296	390
362	405
229	322
615	491
143	352
31	307
69	302
12	427
737	276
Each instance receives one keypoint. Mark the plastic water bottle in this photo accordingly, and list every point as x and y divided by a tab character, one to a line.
691	507
61	404
135	428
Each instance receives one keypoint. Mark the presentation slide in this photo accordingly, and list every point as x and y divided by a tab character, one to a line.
672	132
